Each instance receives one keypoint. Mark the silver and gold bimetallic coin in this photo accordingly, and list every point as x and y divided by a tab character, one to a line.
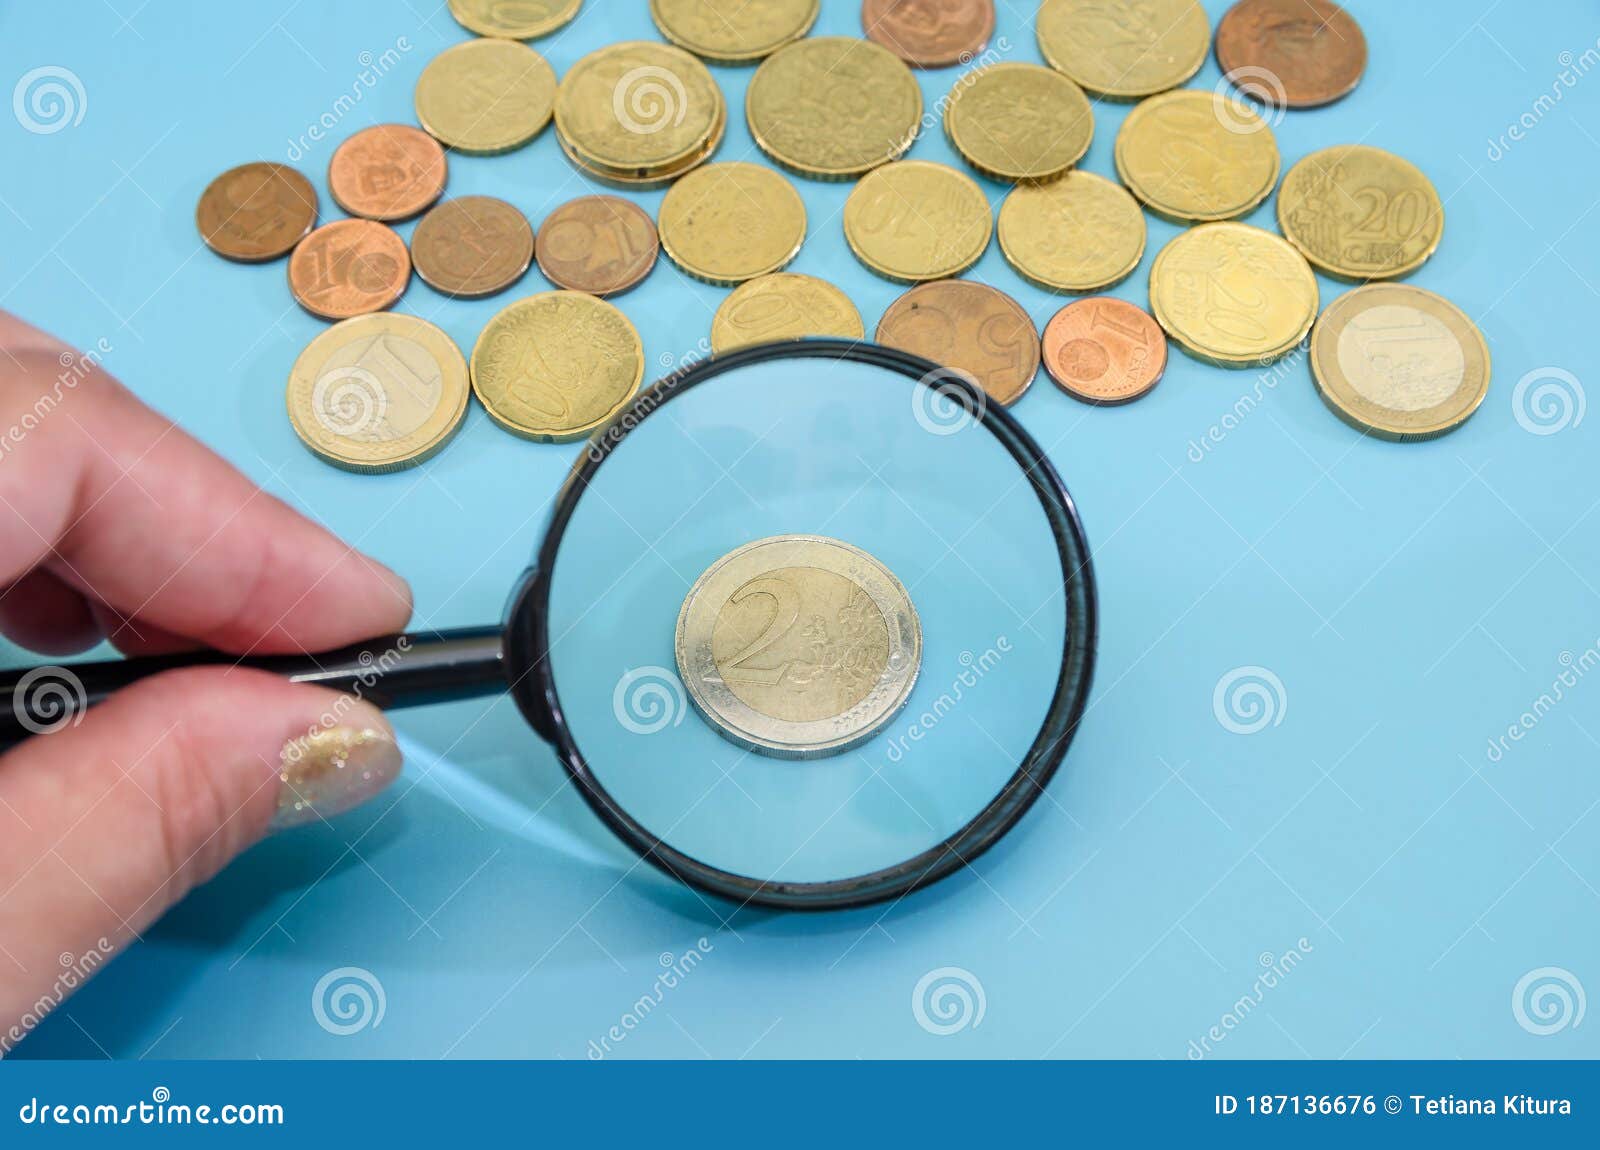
798	646
378	392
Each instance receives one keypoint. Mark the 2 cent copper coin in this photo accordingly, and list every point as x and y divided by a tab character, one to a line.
1295	53
472	246
602	245
1104	350
930	33
387	172
256	212
349	268
968	327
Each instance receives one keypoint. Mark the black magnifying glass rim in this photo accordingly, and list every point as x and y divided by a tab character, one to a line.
533	680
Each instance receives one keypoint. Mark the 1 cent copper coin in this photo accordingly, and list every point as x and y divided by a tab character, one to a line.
930	33
348	268
968	327
387	172
1104	350
1296	53
256	212
472	246
602	245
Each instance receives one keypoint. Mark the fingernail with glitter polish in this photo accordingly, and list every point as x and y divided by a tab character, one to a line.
329	771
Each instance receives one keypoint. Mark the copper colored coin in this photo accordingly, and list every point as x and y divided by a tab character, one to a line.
472	246
969	327
602	245
1104	350
930	33
1296	53
387	172
348	268
256	212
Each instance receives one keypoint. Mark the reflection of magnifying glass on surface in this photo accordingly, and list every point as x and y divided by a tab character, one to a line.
904	465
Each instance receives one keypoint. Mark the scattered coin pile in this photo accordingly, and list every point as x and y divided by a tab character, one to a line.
377	392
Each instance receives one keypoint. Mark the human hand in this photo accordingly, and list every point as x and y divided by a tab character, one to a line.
114	524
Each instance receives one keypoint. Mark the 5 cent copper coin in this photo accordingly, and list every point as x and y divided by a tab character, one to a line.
602	245
930	33
472	246
1104	350
968	327
256	212
349	268
387	172
1297	53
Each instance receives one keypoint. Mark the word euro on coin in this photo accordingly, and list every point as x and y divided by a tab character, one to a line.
798	646
968	327
486	96
378	392
726	223
1124	49
783	306
1197	155
256	212
1360	213
733	31
916	220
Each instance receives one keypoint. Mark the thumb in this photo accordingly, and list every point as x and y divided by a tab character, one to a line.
110	822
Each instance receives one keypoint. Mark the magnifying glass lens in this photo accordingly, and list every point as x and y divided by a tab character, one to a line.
840	450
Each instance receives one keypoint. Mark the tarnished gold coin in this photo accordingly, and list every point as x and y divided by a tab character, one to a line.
783	306
733	31
1232	294
1360	213
915	220
1197	155
1081	233
1019	122
833	107
637	108
513	19
472	246
969	327
1399	362
798	646
486	96
1124	49
378	392
726	223
555	366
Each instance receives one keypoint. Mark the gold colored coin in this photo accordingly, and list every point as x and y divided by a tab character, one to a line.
1019	122
1398	362
486	96
1124	49
378	392
833	107
1232	294
1360	213
557	365
513	19
733	31
637	179
915	220
1197	155
727	223
783	306
1081	233
637	108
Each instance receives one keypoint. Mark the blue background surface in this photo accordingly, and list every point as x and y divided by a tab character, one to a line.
1412	600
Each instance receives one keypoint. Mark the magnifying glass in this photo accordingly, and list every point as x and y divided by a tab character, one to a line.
881	453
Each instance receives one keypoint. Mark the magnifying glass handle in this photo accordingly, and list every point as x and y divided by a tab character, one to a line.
393	671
